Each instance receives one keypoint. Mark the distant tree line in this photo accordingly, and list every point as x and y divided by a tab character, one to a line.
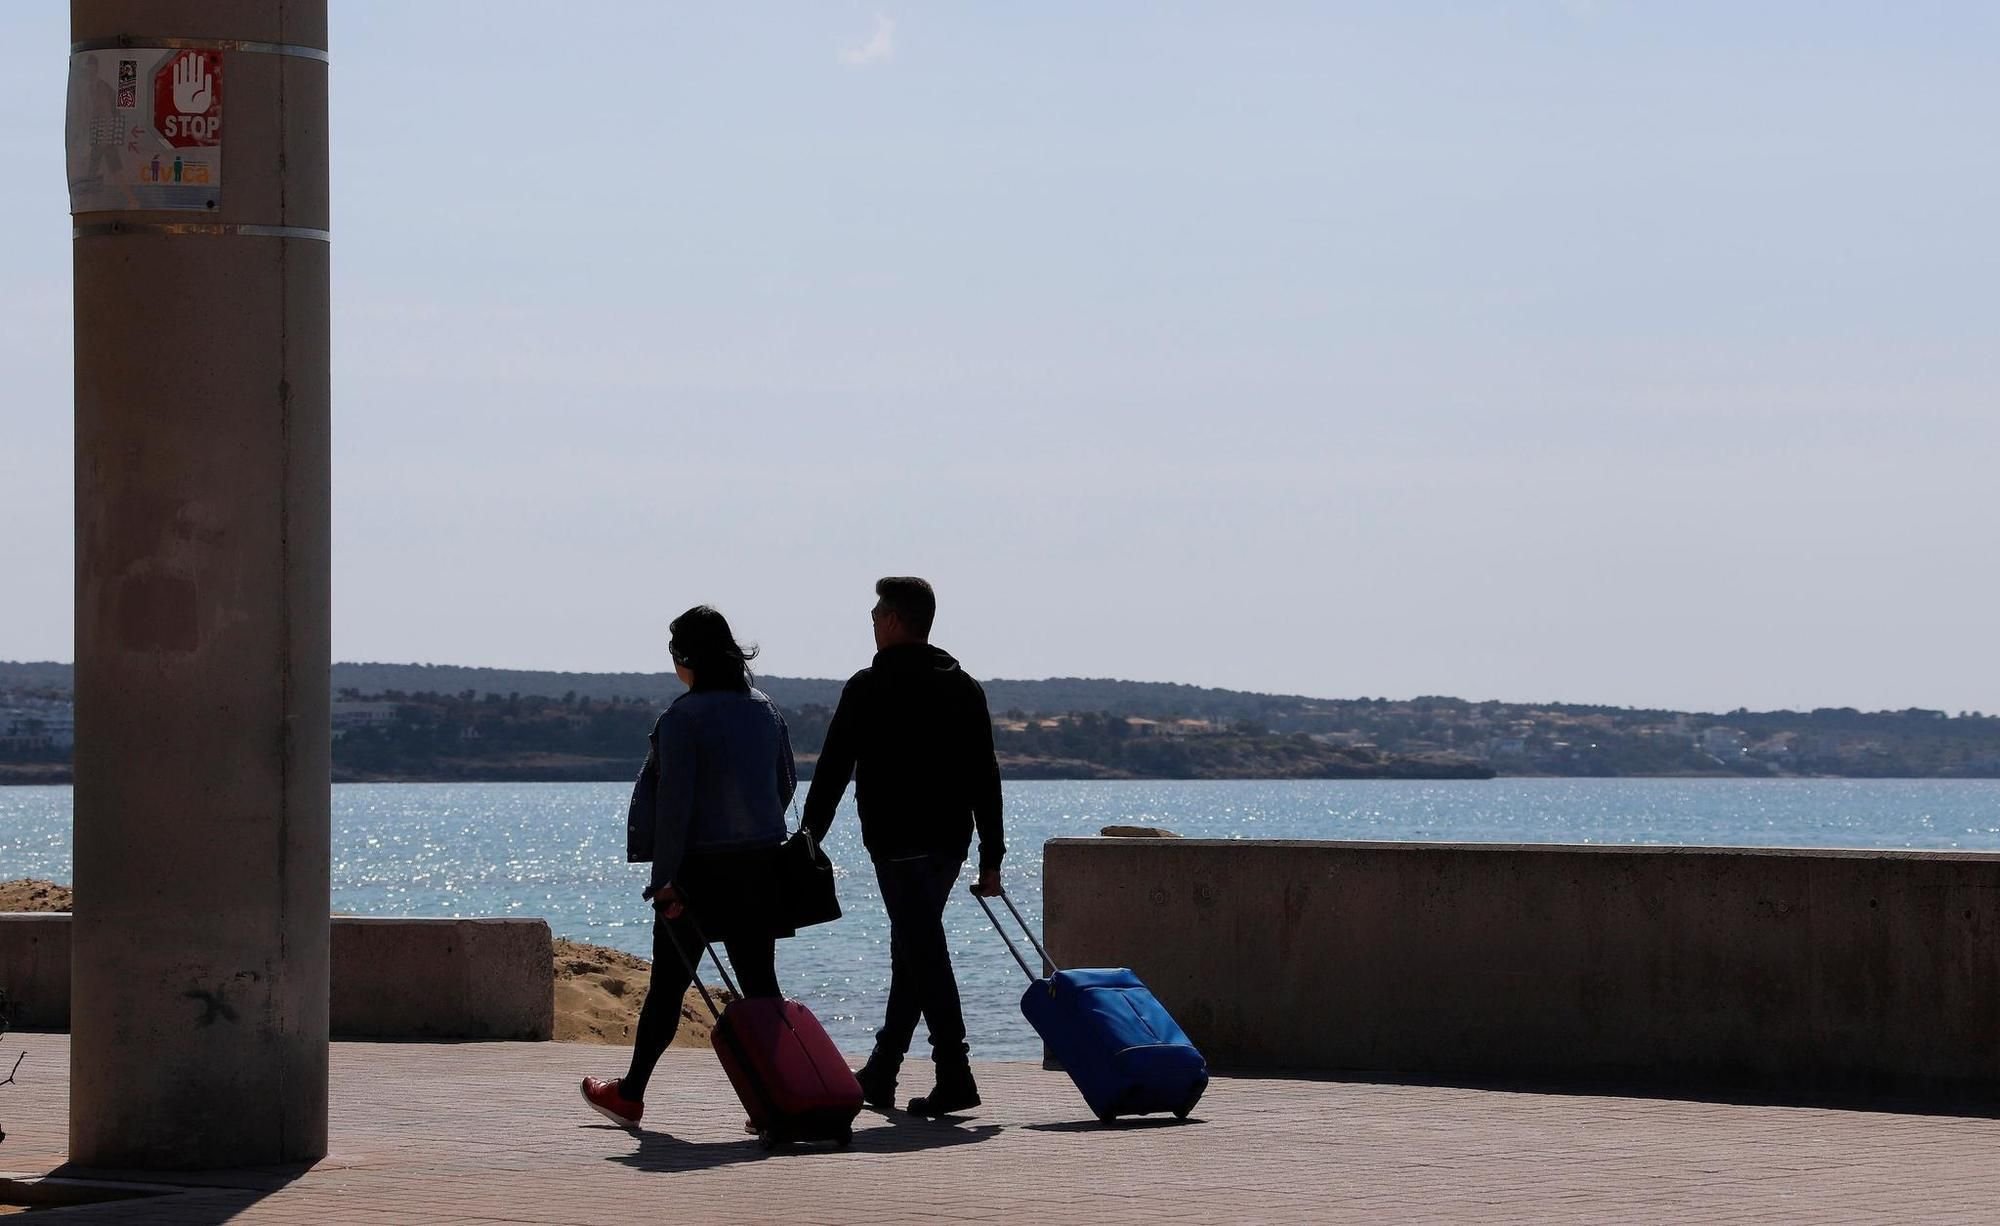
423	728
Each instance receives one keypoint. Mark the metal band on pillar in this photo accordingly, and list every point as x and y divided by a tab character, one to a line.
199	44
196	229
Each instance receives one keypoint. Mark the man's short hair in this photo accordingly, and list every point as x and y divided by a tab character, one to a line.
910	599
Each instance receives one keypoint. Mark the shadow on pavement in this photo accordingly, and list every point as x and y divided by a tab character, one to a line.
1134	1124
1954	1102
896	1134
199	1198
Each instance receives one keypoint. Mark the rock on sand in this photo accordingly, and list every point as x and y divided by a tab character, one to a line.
599	991
28	894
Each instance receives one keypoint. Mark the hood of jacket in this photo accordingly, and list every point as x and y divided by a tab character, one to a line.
915	657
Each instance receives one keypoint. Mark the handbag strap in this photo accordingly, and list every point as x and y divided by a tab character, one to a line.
812	844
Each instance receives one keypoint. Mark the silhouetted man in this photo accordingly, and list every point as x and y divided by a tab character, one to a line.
913	732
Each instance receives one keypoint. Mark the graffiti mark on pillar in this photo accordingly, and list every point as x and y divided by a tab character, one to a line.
214	1005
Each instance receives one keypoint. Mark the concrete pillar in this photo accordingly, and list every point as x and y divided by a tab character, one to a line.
200	944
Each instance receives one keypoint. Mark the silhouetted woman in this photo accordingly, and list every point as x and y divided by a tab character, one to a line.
715	787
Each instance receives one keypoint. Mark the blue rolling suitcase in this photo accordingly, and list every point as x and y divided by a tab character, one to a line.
1116	1041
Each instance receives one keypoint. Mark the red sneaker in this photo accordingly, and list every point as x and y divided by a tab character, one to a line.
606	1099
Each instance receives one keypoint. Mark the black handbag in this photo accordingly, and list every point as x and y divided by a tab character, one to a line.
807	875
642	813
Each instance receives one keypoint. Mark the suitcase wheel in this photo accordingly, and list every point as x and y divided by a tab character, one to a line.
1181	1113
844	1138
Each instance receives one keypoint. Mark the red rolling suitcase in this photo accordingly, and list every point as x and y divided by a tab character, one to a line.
792	1079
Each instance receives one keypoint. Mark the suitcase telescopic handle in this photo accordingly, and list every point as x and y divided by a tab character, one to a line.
694	967
1026	931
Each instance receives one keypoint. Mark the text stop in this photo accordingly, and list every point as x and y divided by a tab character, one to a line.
187	99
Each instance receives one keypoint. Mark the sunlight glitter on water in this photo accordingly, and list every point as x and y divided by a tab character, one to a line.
557	850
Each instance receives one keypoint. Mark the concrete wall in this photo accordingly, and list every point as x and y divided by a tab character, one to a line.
392	978
1768	970
34	969
462	979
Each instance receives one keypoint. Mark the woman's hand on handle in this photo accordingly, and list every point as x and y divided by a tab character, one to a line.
667	901
988	885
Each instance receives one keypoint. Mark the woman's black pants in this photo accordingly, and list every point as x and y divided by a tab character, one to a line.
754	960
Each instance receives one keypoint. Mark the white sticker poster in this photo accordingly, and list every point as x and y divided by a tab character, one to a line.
145	129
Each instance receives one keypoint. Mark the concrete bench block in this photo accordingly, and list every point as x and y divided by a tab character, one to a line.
34	969
391	978
1769	970
434	978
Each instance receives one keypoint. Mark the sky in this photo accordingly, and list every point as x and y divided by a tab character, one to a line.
1581	350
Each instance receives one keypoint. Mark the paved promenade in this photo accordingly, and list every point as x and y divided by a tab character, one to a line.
472	1133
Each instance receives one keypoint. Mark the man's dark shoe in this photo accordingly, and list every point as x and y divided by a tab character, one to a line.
878	1083
955	1092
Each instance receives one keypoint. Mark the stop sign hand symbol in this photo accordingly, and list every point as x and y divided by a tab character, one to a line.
187	100
192	89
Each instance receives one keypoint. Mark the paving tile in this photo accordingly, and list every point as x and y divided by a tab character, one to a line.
493	1133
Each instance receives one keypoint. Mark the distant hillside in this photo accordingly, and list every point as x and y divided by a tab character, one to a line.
653	688
418	721
35	675
428	722
1055	695
446	721
1061	694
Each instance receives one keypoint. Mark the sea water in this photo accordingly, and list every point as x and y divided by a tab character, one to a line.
557	850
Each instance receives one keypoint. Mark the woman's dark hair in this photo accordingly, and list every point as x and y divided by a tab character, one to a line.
702	644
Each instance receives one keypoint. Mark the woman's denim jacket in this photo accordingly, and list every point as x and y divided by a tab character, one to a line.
719	776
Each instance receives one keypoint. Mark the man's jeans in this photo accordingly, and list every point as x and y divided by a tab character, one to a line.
914	892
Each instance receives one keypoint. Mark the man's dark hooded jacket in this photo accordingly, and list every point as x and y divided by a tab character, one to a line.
913	732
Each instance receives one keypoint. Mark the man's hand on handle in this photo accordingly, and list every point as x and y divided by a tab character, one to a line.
988	885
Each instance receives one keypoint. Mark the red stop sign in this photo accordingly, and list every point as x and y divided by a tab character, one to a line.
187	99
